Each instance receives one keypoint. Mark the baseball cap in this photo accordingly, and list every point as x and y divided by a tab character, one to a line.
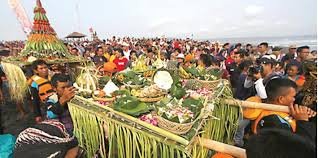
266	59
180	56
277	49
292	46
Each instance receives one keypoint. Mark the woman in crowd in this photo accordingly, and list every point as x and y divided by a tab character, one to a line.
121	61
204	61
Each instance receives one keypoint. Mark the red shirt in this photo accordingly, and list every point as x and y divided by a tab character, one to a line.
229	61
121	63
176	45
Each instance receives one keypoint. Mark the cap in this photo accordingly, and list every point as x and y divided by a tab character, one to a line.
277	49
266	59
180	56
292	46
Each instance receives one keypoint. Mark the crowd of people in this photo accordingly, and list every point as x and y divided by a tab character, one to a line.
258	73
11	48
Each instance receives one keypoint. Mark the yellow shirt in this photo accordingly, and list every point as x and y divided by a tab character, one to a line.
109	58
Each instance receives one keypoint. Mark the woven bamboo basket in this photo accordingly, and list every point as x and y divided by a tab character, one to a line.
176	128
179	128
211	84
151	100
104	99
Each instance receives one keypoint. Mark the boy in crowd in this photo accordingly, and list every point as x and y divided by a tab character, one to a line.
233	68
40	87
57	103
282	92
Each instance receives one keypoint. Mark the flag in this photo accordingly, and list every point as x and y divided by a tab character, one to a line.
22	17
91	30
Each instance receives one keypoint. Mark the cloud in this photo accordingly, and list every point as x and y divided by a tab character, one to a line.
232	28
203	30
280	22
169	26
253	10
218	20
160	22
255	22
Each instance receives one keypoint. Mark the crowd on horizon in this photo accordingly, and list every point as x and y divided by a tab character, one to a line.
258	73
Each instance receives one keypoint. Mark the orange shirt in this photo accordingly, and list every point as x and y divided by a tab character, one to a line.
257	114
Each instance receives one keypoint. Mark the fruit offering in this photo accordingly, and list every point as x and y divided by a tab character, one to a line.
152	91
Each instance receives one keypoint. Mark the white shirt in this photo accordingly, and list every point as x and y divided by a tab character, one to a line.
259	86
260	89
127	54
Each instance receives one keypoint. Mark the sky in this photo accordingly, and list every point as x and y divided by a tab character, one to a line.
170	18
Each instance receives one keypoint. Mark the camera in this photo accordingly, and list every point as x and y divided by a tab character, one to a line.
254	70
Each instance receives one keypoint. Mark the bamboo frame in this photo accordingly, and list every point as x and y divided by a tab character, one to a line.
126	121
222	148
142	123
105	117
113	117
254	105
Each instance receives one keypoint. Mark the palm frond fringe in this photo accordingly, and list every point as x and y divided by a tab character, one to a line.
115	134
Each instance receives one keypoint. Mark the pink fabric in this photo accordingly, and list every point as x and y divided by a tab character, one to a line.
22	17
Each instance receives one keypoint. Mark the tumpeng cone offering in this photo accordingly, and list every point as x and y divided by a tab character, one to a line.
43	43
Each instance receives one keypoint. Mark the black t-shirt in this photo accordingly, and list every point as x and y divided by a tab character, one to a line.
270	77
306	129
99	60
235	73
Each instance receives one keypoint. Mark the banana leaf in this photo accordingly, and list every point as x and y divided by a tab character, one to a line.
194	71
131	106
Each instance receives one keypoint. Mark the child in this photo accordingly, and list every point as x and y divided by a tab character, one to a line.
279	68
293	74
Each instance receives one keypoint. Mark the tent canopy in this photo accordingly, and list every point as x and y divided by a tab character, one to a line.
75	35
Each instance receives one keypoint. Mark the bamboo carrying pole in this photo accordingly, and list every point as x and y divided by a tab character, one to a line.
249	104
222	148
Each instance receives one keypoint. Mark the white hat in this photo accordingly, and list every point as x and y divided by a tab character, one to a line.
292	46
125	44
180	56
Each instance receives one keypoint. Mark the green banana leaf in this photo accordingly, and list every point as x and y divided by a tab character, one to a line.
194	71
131	106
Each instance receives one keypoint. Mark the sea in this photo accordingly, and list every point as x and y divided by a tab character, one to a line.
309	40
